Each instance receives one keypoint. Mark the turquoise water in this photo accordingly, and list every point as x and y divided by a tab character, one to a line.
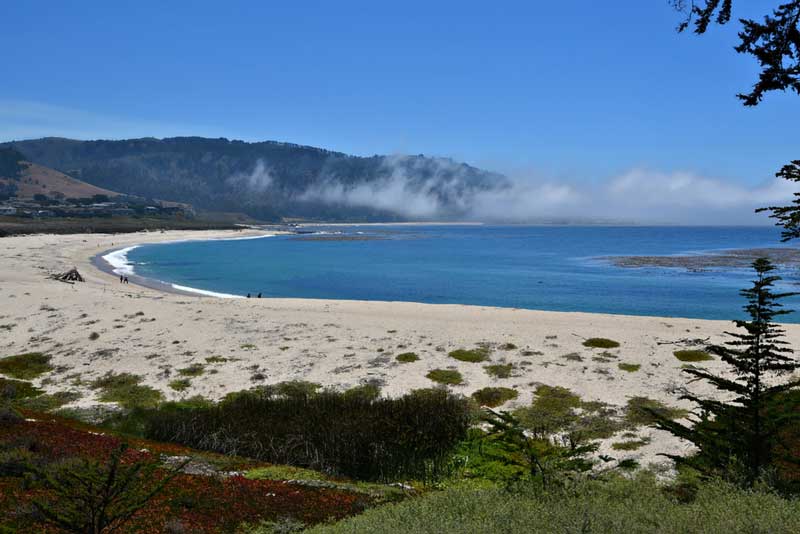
535	267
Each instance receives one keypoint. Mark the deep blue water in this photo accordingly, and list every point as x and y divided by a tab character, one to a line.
536	267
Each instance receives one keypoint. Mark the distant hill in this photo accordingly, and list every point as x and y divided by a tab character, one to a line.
268	180
27	179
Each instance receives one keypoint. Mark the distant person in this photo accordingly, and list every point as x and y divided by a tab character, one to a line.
248	295
126	280
120	279
259	295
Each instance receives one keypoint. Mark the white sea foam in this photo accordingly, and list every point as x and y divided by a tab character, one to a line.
205	293
118	260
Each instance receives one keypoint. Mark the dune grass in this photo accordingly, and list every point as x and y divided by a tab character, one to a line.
181	384
500	370
26	366
493	397
480	354
196	369
629	367
407	357
693	355
17	389
126	390
445	376
600	343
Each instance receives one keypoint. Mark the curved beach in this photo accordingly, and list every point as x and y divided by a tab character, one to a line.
152	333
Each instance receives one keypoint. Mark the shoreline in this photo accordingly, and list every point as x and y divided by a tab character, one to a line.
241	343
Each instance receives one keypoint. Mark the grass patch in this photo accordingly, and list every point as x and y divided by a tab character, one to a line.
407	357
553	408
693	355
181	384
445	376
216	359
17	389
493	397
641	411
600	343
247	346
25	366
94	336
126	390
573	357
480	354
500	370
284	472
630	445
507	346
49	402
606	505
196	369
629	367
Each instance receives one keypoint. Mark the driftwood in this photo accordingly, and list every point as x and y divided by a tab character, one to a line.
686	342
70	276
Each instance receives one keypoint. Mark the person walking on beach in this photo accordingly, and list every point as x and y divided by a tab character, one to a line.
120	279
126	280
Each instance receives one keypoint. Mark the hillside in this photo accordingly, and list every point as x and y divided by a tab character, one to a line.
269	180
27	179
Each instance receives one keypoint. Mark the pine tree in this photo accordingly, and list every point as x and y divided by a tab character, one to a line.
744	431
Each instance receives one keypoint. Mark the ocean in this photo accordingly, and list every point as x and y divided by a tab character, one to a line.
561	268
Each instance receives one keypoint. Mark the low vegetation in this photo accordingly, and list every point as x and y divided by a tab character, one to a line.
493	396
25	366
445	376
480	354
196	369
181	384
407	357
608	505
600	343
693	355
629	367
641	411
126	390
379	439
500	370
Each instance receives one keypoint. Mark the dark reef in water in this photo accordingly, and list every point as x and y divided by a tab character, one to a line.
742	258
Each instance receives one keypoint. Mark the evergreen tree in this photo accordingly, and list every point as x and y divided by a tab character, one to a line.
744	432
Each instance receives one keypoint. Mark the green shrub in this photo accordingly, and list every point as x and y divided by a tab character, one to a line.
25	366
407	357
196	369
445	376
181	384
367	392
500	370
481	354
507	346
411	437
600	343
216	359
125	389
693	355
493	397
629	367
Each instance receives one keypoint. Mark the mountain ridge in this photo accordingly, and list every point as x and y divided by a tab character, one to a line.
269	180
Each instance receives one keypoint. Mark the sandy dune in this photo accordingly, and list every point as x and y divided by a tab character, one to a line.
335	343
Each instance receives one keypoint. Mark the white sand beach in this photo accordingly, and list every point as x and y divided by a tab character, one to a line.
336	343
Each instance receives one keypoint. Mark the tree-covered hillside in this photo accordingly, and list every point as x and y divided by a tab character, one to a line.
269	180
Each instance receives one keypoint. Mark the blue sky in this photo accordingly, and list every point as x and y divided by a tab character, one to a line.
574	90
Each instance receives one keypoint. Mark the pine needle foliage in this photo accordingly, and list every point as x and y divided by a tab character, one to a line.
91	497
742	435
